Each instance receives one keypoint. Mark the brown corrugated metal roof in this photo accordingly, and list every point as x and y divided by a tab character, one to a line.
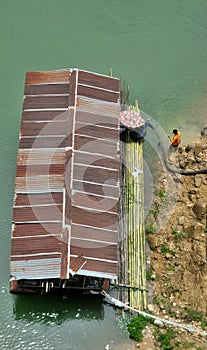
67	179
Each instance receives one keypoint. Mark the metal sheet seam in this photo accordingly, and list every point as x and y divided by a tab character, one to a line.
95	166
102	75
96	138
38	221
92	210
59	190
98	88
98	126
36	205
64	201
97	183
95	259
93	240
44	121
35	236
35	254
68	262
97	274
94	194
72	165
44	109
97	154
41	95
90	99
42	137
97	228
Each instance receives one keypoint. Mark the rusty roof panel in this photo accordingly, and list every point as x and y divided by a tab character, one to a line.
36	245
37	229
32	170
93	234
37	268
94	160
40	156
48	89
83	117
39	257
98	267
98	107
43	102
88	217
72	89
55	76
98	94
38	199
39	183
92	145
43	128
95	202
95	250
95	174
101	81
37	214
97	131
45	142
46	115
103	189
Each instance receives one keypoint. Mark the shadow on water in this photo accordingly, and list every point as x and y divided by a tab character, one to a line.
54	308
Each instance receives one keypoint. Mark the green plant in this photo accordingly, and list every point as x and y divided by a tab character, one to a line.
171	268
156	299
205	229
193	315
155	212
151	229
165	339
149	274
165	250
136	326
178	235
188	346
161	193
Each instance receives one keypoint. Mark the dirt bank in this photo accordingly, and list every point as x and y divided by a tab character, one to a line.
176	261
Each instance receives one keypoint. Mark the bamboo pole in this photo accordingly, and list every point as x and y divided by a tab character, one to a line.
135	223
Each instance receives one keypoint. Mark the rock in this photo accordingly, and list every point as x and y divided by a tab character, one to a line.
191	160
154	241
168	256
153	308
196	231
183	162
198	181
181	220
199	210
199	254
158	323
190	147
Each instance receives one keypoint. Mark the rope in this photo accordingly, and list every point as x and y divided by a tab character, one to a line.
120	304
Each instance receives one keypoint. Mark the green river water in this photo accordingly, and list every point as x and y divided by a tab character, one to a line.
160	48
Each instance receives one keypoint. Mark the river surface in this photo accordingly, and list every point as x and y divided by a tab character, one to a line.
159	47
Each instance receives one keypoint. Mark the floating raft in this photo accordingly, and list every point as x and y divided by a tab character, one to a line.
66	213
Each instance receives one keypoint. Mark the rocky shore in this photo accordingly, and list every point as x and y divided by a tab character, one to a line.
176	257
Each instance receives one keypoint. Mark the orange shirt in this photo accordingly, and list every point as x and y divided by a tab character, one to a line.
176	139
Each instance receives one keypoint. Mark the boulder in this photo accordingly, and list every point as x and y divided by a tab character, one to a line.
198	181
199	210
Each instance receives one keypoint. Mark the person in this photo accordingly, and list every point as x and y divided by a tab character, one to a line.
175	141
